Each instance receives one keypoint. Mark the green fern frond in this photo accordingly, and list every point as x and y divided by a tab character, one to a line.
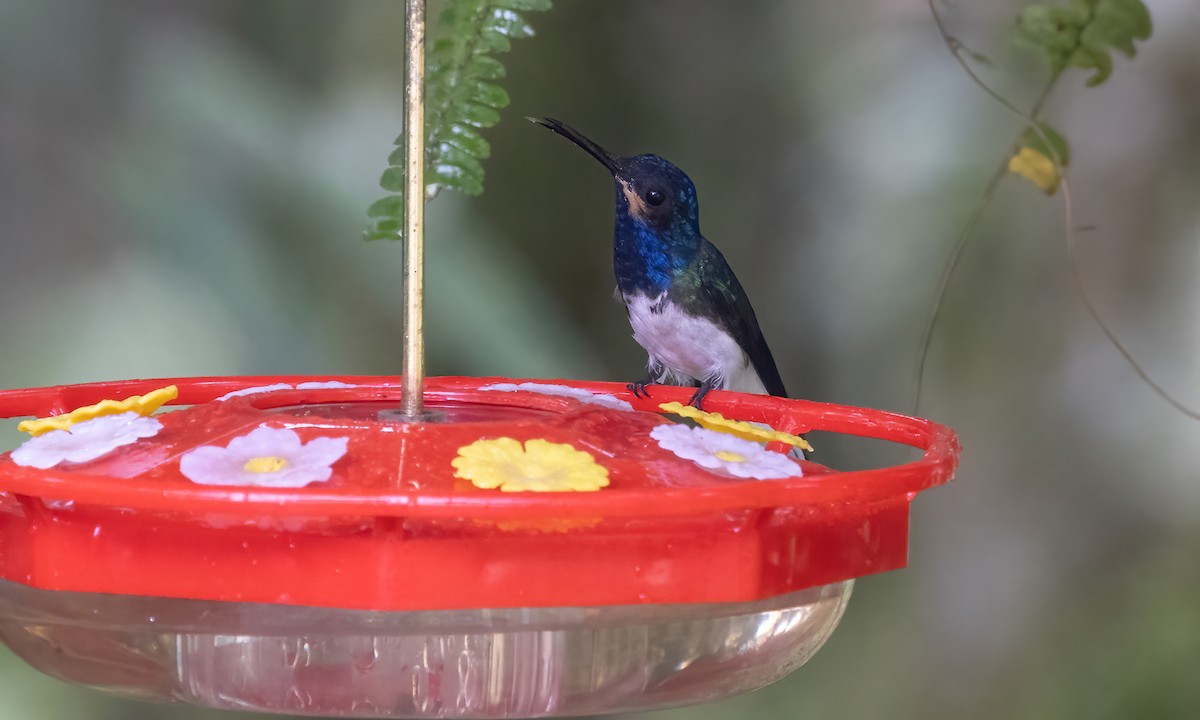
461	98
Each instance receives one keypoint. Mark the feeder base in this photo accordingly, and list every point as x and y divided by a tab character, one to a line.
327	662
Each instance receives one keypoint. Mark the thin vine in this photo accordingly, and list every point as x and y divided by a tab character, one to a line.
1081	35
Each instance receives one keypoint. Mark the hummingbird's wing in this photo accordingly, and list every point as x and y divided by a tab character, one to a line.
726	302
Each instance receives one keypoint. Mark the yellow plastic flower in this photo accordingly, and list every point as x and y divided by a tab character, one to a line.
1036	168
737	428
540	466
143	405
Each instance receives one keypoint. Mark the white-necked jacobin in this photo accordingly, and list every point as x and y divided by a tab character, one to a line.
685	305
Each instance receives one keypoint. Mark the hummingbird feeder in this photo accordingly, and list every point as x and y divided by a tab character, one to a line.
493	548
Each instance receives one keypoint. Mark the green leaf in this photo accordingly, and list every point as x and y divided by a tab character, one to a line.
508	23
1135	13
397	156
391	206
1053	30
385	229
1091	58
525	5
1084	34
1057	148
461	97
490	95
481	116
469	140
392	179
493	41
454	176
485	68
455	156
1116	24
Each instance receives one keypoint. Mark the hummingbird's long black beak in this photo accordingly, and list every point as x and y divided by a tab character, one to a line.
606	158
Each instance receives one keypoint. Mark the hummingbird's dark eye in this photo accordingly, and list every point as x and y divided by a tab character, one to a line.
655	197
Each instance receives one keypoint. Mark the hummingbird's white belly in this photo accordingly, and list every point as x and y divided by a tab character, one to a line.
688	346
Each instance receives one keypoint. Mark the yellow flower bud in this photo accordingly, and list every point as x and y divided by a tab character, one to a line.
1036	168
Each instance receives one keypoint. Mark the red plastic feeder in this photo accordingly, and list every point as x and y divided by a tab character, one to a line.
293	549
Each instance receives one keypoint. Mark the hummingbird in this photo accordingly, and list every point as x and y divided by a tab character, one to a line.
685	305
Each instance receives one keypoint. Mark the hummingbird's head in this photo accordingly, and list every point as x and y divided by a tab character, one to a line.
650	190
655	192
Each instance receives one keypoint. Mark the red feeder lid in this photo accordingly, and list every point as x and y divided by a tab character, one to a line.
395	526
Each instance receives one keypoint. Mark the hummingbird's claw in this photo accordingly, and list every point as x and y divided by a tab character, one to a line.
698	396
638	388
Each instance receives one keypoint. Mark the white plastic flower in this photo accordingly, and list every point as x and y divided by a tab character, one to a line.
580	394
85	441
723	452
265	457
277	387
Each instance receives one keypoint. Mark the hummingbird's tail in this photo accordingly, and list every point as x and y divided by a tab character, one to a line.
745	380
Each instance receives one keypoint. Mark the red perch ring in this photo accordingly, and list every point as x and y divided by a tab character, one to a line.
395	529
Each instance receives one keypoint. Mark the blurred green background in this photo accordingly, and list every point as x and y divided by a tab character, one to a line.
183	186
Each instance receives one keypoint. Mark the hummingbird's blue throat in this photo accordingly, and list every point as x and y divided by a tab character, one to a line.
647	259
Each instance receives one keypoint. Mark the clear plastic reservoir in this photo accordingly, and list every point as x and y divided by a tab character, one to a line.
436	664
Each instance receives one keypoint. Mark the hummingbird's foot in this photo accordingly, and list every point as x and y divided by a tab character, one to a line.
638	387
698	396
